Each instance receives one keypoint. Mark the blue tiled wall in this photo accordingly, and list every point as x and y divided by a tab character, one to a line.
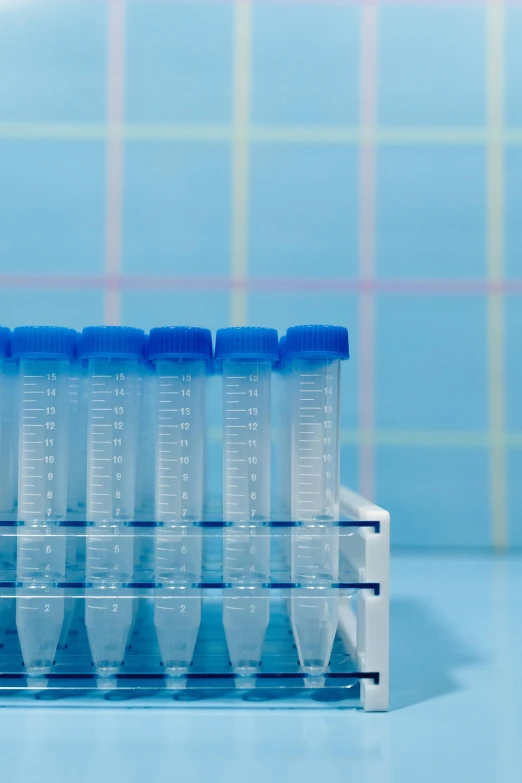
433	209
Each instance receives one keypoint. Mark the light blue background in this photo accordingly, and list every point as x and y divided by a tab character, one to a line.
432	64
179	62
299	54
431	212
415	386
177	209
52	207
303	218
53	62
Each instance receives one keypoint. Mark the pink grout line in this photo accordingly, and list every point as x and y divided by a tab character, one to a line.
359	286
367	229
114	184
323	3
343	2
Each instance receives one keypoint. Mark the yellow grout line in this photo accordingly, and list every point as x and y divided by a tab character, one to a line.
28	131
495	260
435	438
368	87
189	133
272	134
358	135
240	162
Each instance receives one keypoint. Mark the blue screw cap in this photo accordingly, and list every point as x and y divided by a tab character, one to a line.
317	342
180	342
5	342
112	342
247	342
43	342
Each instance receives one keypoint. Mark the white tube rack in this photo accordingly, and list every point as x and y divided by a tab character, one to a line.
358	671
365	632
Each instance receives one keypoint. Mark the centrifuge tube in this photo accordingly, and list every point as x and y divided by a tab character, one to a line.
182	356
8	421
45	354
8	434
315	353
281	468
112	355
246	356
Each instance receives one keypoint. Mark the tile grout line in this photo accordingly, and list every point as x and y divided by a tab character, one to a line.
114	160
240	162
434	438
385	3
495	271
264	134
367	206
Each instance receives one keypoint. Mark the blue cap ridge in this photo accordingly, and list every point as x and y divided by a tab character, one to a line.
112	342
317	341
180	342
247	342
40	342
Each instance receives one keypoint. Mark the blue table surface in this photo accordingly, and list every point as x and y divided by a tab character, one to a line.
456	712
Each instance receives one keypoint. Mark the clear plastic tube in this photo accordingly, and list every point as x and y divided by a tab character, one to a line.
282	465
181	356
42	490
315	386
8	438
247	356
112	426
10	433
246	506
315	504
8	426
